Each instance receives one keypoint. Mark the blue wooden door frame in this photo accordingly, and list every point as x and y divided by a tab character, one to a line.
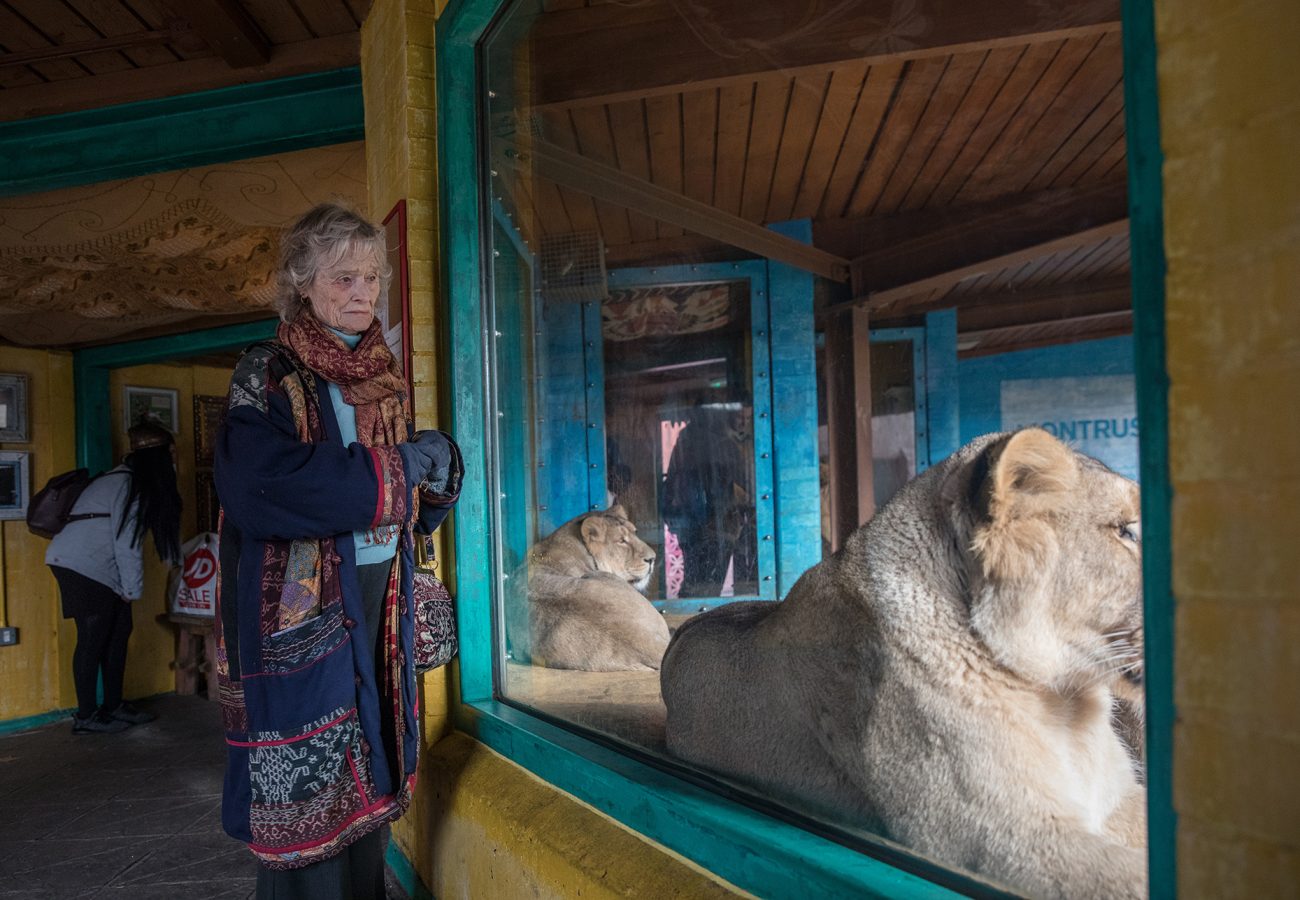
90	370
755	274
752	850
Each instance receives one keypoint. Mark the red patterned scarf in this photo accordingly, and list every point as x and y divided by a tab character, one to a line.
369	377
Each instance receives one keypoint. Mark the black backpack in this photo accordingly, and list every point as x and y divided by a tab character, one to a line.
51	508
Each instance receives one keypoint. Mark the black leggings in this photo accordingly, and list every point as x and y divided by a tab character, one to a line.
103	626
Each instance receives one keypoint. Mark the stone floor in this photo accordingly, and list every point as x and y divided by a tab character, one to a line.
131	816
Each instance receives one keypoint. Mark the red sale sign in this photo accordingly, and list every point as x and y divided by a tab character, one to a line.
196	589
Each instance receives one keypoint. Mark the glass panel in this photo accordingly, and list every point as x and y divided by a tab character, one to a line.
691	406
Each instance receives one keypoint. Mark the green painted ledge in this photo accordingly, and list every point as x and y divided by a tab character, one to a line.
200	128
405	873
40	720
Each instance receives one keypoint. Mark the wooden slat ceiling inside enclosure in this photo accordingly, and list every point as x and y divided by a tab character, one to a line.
856	144
859	140
62	55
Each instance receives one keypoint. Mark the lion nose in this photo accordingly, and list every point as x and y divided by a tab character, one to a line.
650	560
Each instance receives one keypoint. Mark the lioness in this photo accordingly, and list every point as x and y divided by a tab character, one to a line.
946	679
585	610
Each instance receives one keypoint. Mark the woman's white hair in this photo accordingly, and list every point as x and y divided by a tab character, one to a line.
324	235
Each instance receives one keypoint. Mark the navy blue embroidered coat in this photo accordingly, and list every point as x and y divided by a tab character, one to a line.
306	773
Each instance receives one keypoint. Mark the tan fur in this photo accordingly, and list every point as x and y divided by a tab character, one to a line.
585	610
947	679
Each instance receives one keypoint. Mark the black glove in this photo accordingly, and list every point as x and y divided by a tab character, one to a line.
427	459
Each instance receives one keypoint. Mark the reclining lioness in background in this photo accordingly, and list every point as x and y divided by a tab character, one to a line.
585	610
946	679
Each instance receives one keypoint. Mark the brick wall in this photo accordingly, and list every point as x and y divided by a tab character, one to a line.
1230	128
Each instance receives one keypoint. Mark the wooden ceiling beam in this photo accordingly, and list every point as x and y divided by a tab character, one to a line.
1023	337
616	51
80	48
673	251
1006	309
228	29
322	54
894	299
581	173
1033	300
888	251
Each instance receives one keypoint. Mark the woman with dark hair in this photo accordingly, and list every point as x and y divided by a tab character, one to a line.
322	480
98	561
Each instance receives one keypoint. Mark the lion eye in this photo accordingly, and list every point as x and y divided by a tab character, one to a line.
1131	531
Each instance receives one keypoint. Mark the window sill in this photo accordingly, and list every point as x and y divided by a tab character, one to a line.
753	851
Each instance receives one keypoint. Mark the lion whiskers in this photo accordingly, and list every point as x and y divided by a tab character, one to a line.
1118	656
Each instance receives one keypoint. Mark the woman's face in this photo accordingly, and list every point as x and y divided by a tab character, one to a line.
343	296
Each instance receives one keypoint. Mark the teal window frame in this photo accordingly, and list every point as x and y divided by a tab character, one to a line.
755	851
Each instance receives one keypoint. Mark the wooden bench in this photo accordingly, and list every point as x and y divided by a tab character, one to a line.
196	652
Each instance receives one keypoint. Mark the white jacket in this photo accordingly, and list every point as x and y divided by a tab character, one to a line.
101	548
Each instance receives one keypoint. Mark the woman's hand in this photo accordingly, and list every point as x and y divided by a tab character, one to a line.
427	458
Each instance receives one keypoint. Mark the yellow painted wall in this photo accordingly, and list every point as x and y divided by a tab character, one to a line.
502	832
36	675
1230	129
152	645
32	681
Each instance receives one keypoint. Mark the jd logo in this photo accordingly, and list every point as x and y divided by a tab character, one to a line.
199	568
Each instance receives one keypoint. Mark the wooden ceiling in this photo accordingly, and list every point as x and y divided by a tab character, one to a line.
982	148
63	55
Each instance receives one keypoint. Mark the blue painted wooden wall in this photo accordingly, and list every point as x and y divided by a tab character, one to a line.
794	410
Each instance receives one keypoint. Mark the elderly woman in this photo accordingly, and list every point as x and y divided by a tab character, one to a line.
322	482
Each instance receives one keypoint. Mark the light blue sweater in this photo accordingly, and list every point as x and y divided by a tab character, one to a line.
372	547
94	547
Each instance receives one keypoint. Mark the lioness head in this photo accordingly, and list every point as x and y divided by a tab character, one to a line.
1057	589
612	541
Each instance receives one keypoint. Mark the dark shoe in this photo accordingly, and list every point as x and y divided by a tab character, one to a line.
97	723
130	715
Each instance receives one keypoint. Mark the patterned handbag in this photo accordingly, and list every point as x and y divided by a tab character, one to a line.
435	612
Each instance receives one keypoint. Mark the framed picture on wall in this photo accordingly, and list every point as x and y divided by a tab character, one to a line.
394	312
15	486
13	408
157	405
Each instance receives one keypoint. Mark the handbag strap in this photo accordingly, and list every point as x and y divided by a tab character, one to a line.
426	557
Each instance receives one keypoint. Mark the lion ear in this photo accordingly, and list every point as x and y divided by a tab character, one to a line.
617	510
593	528
1034	470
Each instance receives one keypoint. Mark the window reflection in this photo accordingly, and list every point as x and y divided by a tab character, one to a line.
679	445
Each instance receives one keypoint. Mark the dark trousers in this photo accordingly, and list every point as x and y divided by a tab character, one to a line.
356	873
103	625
